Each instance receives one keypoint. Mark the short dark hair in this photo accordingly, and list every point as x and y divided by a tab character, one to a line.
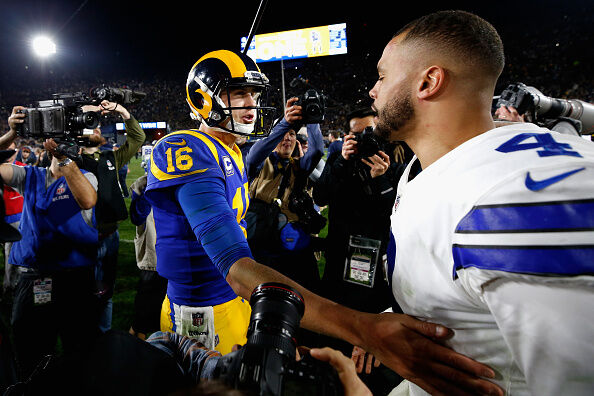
461	34
360	112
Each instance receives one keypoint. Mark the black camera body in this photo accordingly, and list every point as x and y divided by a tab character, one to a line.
117	95
301	203
59	117
313	107
63	115
368	144
266	364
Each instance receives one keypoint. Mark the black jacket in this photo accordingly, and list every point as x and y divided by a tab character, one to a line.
357	205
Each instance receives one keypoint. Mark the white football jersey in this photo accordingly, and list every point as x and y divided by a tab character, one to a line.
495	240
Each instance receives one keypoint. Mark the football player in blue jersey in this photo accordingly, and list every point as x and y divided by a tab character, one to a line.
197	186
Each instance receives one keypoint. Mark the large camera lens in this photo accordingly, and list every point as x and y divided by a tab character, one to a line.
87	120
276	312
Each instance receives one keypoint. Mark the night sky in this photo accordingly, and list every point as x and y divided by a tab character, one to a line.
165	38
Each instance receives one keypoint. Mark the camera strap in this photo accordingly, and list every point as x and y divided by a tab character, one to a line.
285	179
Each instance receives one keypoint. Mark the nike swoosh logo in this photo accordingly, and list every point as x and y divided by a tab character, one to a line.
537	185
182	143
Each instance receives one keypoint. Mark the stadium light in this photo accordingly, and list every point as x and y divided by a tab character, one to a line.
43	46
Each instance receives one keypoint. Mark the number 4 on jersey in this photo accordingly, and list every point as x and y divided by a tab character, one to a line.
544	141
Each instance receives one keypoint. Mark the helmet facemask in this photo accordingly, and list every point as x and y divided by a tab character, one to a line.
221	116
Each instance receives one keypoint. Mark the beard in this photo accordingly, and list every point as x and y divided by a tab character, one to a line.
394	116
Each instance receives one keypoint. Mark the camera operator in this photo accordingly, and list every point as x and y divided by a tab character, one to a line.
111	207
278	169
360	194
56	255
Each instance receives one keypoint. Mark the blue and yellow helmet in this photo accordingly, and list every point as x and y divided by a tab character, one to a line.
216	74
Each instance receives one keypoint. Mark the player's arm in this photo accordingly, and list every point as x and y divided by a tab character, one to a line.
548	327
213	221
401	342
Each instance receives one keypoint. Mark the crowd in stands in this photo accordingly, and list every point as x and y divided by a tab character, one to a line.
552	60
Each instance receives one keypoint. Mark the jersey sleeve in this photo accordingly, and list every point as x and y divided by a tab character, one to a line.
180	158
214	223
546	325
525	251
536	222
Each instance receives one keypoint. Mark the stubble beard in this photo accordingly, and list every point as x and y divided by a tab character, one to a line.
393	117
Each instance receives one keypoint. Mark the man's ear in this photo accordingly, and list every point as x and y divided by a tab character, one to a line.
432	82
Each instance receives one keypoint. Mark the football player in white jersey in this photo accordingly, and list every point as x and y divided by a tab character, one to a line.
493	228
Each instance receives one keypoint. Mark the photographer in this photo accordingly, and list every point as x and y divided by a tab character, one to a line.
56	255
199	363
360	194
111	207
277	172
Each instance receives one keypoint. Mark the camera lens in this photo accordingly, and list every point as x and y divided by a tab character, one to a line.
276	312
313	110
88	120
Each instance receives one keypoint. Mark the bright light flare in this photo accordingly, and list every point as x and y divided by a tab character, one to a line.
43	46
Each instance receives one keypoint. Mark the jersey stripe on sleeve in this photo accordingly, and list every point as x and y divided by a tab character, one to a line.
540	238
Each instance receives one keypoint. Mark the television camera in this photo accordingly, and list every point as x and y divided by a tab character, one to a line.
63	118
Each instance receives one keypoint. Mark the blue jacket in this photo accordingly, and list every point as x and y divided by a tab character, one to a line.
54	232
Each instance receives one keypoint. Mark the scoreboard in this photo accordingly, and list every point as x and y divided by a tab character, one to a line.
300	43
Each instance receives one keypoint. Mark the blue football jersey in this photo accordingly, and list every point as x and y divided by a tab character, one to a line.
179	159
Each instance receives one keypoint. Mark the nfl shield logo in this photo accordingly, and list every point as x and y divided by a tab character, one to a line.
197	319
60	189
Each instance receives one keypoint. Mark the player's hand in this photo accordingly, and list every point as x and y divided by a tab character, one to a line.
351	383
349	147
379	163
410	347
509	113
292	111
362	358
